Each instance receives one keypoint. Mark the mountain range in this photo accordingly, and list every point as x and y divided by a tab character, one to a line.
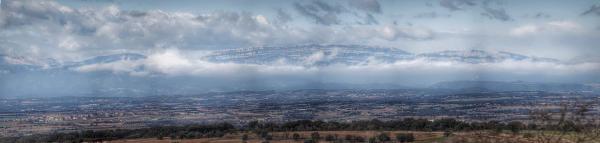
501	86
27	76
357	54
318	55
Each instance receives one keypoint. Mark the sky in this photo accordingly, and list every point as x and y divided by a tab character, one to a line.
174	34
75	29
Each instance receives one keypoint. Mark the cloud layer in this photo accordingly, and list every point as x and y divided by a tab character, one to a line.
174	40
419	71
49	29
54	30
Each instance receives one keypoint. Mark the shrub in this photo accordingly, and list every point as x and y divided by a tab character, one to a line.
315	136
383	137
405	137
330	138
359	139
310	141
296	136
372	140
528	135
244	137
447	133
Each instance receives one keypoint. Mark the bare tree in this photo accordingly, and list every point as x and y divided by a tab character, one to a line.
571	123
584	127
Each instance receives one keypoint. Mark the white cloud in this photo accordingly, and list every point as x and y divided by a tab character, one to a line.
69	43
552	26
262	20
525	30
418	71
315	57
392	32
171	59
65	32
564	25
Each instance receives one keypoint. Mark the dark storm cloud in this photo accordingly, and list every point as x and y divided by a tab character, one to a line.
325	13
321	12
16	13
428	4
366	5
369	19
454	5
595	9
283	16
136	13
495	13
498	14
430	15
540	15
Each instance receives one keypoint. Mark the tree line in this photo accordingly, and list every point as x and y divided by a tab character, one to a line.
315	137
404	124
159	132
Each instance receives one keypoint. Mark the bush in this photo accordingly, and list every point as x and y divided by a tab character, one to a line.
515	127
383	137
528	135
310	141
262	134
315	136
330	138
349	137
372	140
405	137
359	139
269	137
447	133
296	137
245	137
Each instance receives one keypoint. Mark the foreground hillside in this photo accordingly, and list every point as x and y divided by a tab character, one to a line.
367	136
304	136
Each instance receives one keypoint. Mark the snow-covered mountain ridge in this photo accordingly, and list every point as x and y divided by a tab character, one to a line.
317	55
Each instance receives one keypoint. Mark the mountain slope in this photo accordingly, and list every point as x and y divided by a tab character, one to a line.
511	86
479	56
106	59
357	54
310	54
